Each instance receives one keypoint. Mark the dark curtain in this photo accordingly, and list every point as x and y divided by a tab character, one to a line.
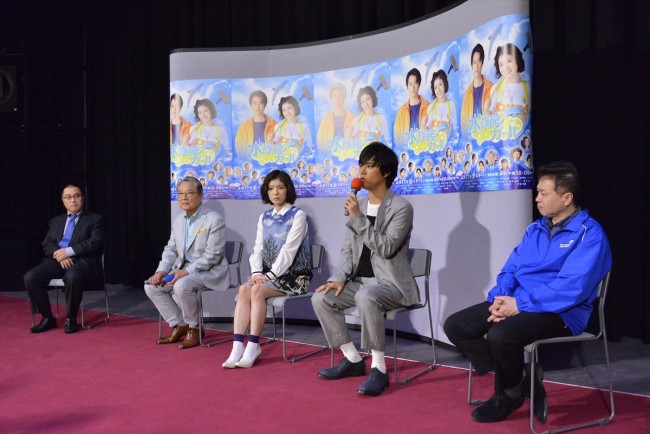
94	110
591	98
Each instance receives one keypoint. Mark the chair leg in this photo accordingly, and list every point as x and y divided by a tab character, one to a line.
471	401
102	321
275	331
430	367
597	422
202	342
56	291
284	343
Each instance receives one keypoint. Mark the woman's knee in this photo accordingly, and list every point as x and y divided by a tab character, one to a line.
259	292
244	291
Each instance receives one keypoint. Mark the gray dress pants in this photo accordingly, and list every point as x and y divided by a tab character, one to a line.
185	291
371	298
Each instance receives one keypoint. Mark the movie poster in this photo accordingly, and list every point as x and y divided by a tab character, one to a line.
456	115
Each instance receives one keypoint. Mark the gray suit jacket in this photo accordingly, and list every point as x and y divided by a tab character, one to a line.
206	252
388	242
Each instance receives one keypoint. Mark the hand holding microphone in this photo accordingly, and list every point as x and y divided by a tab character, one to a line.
355	186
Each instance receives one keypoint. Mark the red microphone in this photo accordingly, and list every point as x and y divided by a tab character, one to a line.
355	186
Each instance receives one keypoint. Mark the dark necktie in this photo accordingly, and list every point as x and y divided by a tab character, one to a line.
67	235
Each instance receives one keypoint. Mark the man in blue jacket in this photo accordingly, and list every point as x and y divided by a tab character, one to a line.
545	289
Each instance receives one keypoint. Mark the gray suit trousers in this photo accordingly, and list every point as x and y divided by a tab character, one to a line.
371	299
185	291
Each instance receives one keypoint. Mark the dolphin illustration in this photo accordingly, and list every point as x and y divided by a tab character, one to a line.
355	81
277	89
430	64
492	38
193	92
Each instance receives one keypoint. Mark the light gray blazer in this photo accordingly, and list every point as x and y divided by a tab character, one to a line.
388	242
206	253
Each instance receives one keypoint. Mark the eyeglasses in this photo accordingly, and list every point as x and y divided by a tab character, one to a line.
71	196
189	194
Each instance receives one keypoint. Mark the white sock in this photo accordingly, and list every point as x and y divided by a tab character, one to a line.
251	351
378	360
350	352
237	351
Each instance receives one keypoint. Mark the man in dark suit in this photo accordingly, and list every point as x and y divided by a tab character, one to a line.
73	248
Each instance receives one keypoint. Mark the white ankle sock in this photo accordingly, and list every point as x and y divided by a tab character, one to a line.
350	352
237	351
378	360
251	351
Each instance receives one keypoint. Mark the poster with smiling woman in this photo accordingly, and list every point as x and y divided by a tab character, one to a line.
496	85
200	131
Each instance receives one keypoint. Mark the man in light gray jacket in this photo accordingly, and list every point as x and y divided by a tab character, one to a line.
193	258
374	272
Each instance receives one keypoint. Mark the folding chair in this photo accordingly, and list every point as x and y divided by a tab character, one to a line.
532	350
420	260
317	253
58	285
233	253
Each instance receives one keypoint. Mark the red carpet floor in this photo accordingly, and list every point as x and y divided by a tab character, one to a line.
114	379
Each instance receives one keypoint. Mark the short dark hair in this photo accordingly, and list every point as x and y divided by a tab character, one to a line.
416	73
206	102
478	48
442	75
259	93
178	98
565	176
285	179
73	186
196	182
288	100
367	90
384	157
512	49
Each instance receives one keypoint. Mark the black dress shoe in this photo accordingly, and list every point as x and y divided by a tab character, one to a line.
345	368
497	408
376	383
71	326
47	323
541	401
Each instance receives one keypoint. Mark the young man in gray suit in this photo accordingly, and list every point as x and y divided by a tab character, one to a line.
194	258
374	271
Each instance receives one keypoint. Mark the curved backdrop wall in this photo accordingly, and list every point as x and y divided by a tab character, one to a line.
471	142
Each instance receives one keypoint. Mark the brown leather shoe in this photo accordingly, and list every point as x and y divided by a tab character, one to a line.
191	340
177	333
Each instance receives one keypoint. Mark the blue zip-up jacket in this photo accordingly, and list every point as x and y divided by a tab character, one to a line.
559	274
